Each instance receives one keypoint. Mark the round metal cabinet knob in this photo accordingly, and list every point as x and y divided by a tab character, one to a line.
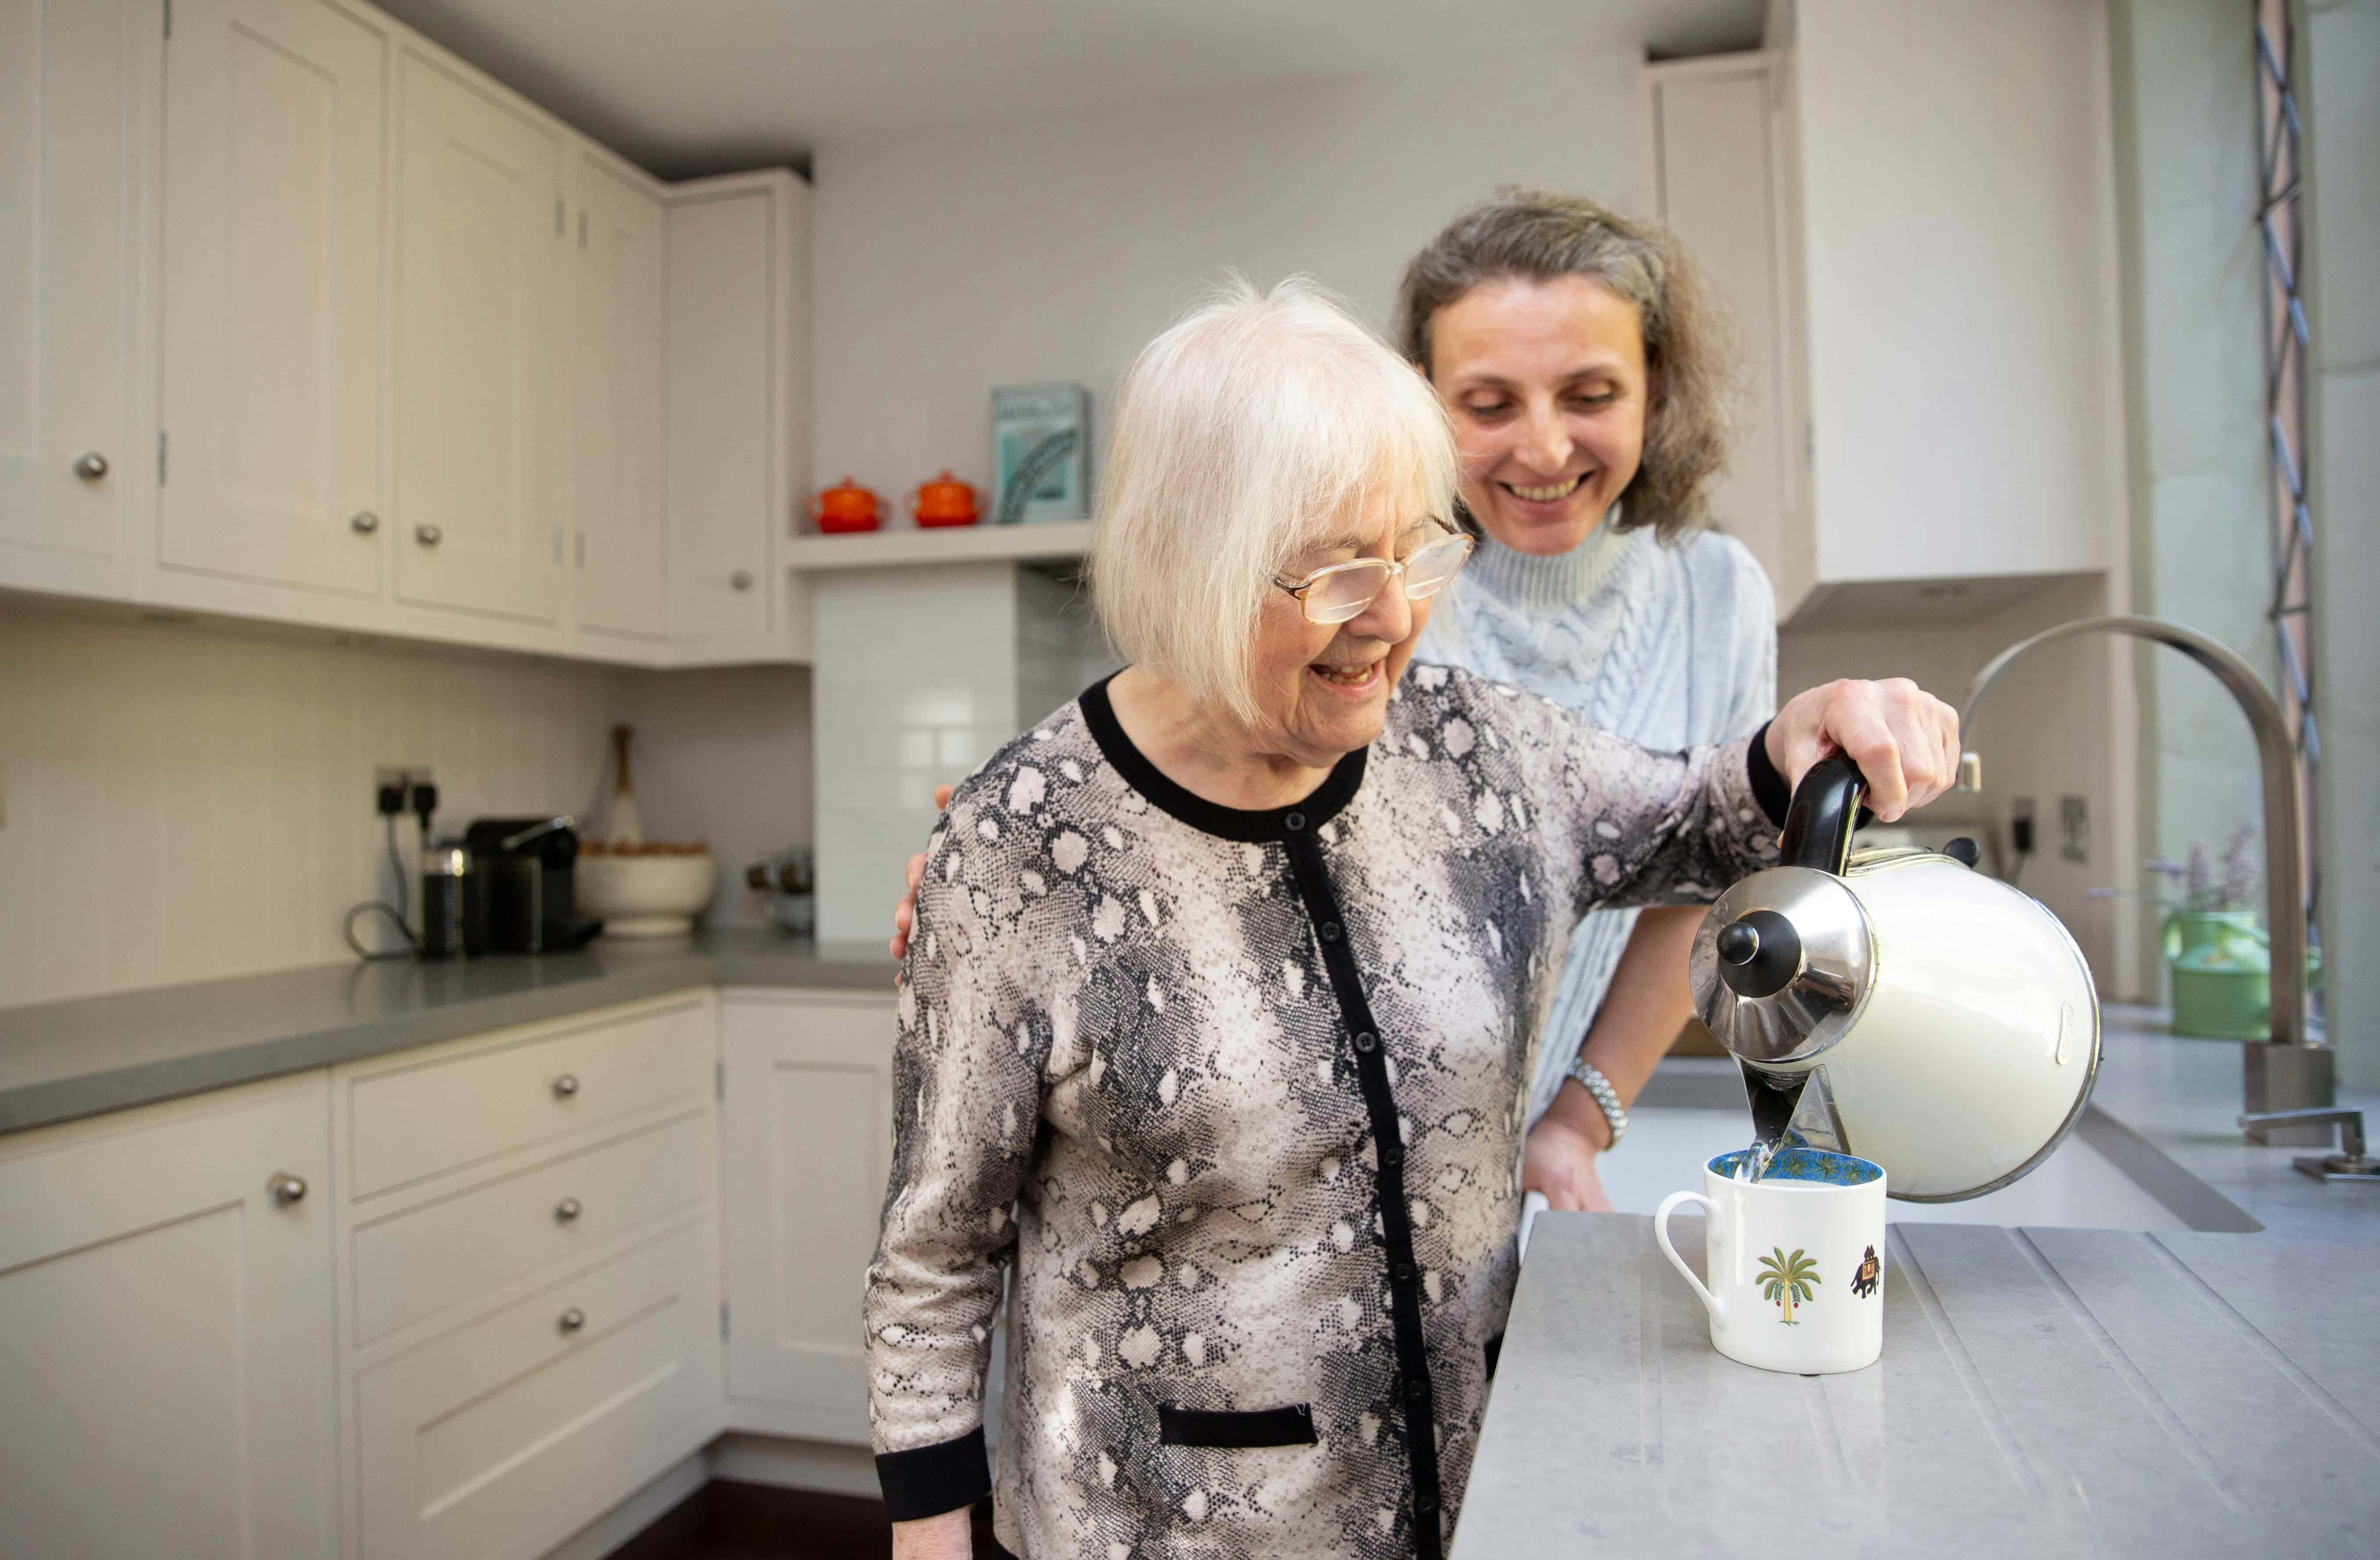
741	579
566	1210
571	1320
566	1086
285	1188
363	522
91	465
427	536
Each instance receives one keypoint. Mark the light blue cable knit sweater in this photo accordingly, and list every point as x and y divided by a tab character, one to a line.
1668	647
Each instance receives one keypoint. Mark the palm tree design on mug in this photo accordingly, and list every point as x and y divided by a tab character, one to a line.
1788	1280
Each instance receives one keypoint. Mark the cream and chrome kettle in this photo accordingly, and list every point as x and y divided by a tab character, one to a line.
1898	1004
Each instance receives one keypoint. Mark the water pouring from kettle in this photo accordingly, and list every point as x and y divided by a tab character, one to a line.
1897	1005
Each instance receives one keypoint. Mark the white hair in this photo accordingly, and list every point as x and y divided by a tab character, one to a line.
1252	424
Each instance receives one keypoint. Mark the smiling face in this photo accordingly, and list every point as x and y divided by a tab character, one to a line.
1547	387
1321	692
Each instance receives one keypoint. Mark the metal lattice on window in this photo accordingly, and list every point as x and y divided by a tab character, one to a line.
2288	340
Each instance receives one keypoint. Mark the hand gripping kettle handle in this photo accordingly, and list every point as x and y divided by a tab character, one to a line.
1818	823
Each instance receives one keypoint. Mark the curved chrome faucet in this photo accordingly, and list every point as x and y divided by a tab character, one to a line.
2288	1070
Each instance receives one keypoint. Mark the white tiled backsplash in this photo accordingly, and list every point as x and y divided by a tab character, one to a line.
922	674
183	803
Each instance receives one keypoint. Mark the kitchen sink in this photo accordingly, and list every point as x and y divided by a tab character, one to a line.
2104	1176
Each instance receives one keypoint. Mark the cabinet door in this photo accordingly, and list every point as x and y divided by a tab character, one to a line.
74	80
275	222
726	493
1713	129
480	307
616	431
806	1152
167	1383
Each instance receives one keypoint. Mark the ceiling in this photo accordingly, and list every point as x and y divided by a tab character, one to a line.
709	86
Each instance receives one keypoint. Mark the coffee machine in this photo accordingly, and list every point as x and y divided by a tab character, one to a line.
528	870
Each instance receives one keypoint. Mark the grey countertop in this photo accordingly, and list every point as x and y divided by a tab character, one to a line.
60	1060
2042	1392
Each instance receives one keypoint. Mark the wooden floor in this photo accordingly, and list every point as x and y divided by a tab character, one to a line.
725	1520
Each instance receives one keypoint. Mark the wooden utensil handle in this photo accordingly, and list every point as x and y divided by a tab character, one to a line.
620	735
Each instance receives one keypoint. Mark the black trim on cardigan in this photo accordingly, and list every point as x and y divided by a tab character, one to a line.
1256	826
928	1480
1403	1274
1292	1426
1769	787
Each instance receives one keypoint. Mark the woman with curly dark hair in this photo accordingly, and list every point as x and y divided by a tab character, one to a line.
1589	386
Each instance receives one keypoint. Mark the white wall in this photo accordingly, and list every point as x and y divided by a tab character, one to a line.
948	264
185	803
1964	352
722	757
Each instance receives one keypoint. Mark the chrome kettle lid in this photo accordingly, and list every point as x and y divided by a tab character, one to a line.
1783	964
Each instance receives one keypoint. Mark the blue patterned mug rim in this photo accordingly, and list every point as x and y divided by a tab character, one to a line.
1813	1169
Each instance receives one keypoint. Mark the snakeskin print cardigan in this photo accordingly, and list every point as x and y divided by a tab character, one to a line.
1239	1096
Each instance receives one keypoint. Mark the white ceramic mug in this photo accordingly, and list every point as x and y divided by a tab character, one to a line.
1795	1258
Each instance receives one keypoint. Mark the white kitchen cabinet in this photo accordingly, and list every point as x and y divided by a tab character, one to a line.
167	1383
77	125
423	362
275	299
1714	152
806	1157
1933	338
736	447
622	550
527	1253
481	492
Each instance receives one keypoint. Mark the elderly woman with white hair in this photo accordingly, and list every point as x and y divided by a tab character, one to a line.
1220	1009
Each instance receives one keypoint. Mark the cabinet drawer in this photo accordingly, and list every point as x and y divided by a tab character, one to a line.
415	1120
411	1264
499	1439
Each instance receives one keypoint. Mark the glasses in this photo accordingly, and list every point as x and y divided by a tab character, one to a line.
1341	591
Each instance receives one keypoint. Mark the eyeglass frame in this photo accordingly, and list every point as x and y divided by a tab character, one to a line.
1395	566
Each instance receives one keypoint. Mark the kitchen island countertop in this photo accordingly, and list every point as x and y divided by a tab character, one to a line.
2043	1391
61	1060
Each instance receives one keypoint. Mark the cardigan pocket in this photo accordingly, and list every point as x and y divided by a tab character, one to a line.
1292	1426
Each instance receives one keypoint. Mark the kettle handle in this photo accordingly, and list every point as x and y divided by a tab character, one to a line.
1818	823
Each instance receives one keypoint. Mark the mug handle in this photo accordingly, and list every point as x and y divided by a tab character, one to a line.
1532	1205
1711	1302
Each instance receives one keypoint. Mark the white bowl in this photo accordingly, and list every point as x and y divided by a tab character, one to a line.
655	896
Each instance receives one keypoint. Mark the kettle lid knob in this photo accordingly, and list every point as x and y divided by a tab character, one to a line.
1759	953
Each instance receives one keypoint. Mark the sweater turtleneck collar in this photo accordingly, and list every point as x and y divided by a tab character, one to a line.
1563	580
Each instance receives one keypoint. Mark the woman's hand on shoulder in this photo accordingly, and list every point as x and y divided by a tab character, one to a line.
1904	740
905	914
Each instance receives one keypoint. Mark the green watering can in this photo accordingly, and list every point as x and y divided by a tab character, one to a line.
2222	967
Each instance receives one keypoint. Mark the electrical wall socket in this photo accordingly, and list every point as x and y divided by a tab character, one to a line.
2074	828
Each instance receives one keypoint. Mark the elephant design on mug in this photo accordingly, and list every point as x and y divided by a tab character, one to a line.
1870	1274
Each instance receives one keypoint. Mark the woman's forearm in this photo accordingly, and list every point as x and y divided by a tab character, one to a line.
1643	1009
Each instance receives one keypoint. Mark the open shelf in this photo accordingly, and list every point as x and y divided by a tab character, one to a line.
954	544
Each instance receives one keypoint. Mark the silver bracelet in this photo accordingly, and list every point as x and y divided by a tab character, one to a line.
1607	1098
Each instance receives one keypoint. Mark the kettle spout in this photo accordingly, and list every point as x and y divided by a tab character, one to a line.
1790	1108
1774	1098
